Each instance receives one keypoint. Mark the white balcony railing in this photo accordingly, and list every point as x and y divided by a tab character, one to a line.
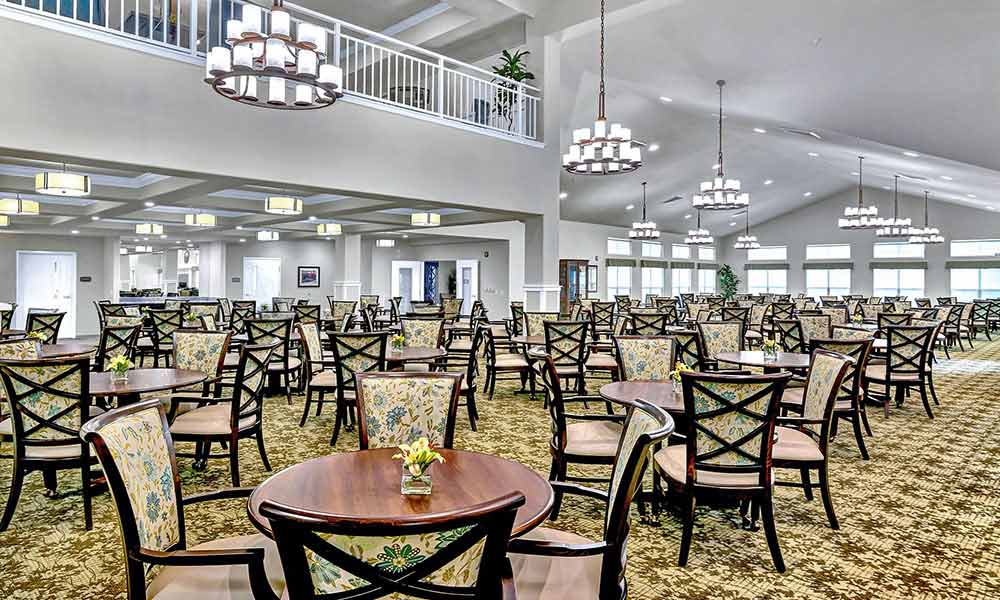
377	68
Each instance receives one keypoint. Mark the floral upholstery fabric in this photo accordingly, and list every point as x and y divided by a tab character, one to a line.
199	351
400	410
905	345
394	556
851	333
729	425
871	311
45	323
565	341
720	337
452	307
19	350
421	333
534	322
314	349
63	410
823	372
646	359
757	312
139	449
687	347
196	310
695	309
838	315
365	360
341	308
641	422
208	323
815	327
115	321
900	306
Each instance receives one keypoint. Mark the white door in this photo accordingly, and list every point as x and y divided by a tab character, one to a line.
468	283
47	280
407	281
261	279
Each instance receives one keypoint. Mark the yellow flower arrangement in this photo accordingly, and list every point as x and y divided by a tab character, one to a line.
771	345
418	456
120	364
679	367
397	340
38	336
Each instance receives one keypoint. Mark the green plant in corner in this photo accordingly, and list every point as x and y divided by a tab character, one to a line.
729	283
511	67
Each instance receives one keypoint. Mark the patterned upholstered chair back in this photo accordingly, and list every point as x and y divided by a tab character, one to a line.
871	311
248	395
307	313
899	306
22	349
310	337
623	302
859	351
366	300
826	374
7	315
245	304
534	322
422	333
517	317
715	302
791	335
49	400
719	337
203	309
238	318
907	350
886	319
398	408
357	353
282	304
736	313
848	332
782	310
461	556
922	302
341	308
271	331
566	342
731	424
47	324
122	321
165	323
828	300
945	300
687	348
837	313
602	314
203	351
117	340
815	326
694	309
645	358
757	314
650	324
452	308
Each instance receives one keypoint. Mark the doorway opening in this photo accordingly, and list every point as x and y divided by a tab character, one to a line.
47	280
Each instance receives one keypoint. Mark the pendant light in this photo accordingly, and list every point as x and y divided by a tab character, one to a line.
283	205
18	206
747	241
699	236
604	151
859	217
61	183
720	193
927	234
894	227
200	220
645	229
329	229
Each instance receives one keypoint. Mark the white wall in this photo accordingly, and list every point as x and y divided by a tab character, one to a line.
293	254
817	224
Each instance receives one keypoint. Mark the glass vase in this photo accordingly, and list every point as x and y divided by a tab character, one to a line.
770	354
397	346
119	377
416	485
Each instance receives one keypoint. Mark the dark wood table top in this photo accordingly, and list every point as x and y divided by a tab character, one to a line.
414	353
65	349
531	340
365	485
141	381
12	333
755	358
660	393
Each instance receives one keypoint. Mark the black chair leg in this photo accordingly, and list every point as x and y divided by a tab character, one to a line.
926	400
88	505
767	516
262	451
340	416
930	382
688	507
473	410
557	473
234	461
12	496
806	484
824	488
856	424
305	410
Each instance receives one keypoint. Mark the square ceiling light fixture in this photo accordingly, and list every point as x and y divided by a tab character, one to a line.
199	220
329	229
283	205
267	236
425	219
18	206
149	229
385	243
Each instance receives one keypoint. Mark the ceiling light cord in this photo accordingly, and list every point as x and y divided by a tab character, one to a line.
926	219
720	83
895	200
601	89
861	189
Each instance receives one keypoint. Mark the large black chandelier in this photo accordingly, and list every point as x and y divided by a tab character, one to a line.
606	150
720	193
264	66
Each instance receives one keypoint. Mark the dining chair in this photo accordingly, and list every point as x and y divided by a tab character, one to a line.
283	365
459	556
654	323
687	348
49	399
815	326
850	405
316	377
980	318
422	333
45	324
341	308
282	304
238	318
501	359
136	453
165	323
452	309
197	310
644	358
836	312
602	319
13	349
307	313
354	353
202	351
534	322
851	332
922	302
802	441
399	408
517	317
116	341
718	337
468	362
7	315
245	304
577	438
906	366
566	346
227	420
208	323
601	363
887	319
790	334
623	302
550	563
728	437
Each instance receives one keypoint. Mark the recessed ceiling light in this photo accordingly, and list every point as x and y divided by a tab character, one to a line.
947	178
630	207
145	239
911	154
95	218
150	204
666	99
687	216
654	147
75	232
163	237
715	166
242	239
814	154
239	228
759	130
405	236
854	173
733	224
768	181
311	218
807	194
885	187
187	241
135	239
971	195
190	245
563	195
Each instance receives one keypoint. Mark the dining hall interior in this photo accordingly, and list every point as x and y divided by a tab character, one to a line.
499	299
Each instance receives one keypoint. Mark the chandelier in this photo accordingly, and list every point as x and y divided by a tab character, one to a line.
61	183
200	220
926	234
859	217
894	227
329	229
644	229
747	241
283	205
271	70
605	151
18	206
699	236
425	219
267	235
720	193
148	229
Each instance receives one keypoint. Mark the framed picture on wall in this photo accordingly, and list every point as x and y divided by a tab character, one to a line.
591	278
308	277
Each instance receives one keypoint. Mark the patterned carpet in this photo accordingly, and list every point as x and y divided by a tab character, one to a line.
919	520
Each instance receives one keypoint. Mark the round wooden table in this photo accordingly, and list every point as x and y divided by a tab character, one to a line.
660	393
414	354
755	358
365	485
9	333
65	349
531	340
143	381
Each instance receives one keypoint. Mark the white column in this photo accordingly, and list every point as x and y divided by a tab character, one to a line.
212	267
347	267
112	268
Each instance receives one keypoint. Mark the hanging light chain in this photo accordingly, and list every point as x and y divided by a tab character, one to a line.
600	94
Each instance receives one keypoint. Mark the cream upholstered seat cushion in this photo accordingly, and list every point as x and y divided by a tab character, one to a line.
672	460
293	364
222	582
556	577
324	379
877	373
793	396
207	420
53	452
231	361
461	345
511	361
792	444
593	438
601	362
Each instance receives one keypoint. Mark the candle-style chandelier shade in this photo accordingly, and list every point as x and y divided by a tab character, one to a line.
896	227
699	236
264	66
747	241
926	234
720	193
644	229
605	150
859	217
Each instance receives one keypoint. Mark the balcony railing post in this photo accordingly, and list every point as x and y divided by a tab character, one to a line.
336	45
440	87
193	26
520	110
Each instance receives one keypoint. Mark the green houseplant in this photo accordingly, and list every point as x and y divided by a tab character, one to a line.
511	67
729	283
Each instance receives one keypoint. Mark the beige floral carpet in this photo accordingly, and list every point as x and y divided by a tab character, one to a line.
919	520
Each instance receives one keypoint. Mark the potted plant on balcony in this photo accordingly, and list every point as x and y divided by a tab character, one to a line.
511	67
